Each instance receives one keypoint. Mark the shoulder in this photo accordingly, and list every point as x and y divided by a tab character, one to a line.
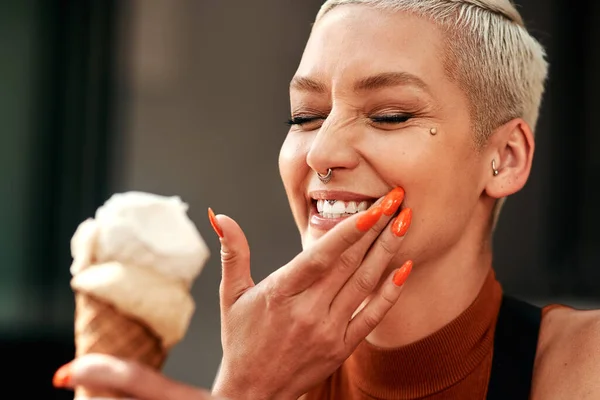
567	362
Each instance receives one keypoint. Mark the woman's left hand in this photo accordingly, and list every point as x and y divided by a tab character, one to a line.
137	381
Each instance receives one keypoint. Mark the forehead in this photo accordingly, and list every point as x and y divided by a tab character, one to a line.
353	41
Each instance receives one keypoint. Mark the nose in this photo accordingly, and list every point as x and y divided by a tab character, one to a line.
332	146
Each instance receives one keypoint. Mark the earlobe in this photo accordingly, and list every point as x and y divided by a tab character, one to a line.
509	158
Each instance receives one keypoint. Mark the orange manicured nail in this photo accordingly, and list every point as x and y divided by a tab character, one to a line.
402	274
392	201
369	218
215	223
402	222
62	377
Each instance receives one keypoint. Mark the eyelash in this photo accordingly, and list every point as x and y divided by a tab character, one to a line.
391	119
384	119
301	120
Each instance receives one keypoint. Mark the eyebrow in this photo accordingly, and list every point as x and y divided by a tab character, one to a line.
379	81
305	84
388	79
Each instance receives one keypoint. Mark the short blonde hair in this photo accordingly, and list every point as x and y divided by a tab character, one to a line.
490	53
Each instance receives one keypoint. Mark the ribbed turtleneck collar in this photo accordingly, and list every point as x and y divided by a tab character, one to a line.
435	362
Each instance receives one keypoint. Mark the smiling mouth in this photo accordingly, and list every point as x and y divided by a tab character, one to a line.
339	209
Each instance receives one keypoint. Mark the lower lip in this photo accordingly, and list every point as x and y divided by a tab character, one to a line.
317	221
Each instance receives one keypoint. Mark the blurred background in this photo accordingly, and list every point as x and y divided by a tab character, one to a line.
189	98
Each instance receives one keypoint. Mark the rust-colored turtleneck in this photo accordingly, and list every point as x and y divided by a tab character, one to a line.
452	363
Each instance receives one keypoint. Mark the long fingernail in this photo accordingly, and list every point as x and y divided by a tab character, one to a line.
402	274
402	222
369	218
62	377
214	223
392	201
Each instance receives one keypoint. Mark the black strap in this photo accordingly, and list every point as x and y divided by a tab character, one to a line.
515	344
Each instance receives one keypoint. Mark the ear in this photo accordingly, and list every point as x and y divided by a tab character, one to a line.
511	146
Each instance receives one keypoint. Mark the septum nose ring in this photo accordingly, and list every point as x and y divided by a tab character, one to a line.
325	178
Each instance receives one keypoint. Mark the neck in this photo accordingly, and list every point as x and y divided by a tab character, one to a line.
434	295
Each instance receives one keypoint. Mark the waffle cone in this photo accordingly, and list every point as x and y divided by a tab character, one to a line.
101	328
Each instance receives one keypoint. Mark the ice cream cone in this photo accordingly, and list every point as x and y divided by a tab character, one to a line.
101	328
133	267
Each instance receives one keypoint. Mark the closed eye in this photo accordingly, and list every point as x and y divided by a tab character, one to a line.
302	120
391	119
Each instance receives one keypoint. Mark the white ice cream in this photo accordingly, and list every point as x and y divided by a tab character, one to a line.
141	253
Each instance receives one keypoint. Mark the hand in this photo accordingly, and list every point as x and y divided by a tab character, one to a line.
292	330
134	380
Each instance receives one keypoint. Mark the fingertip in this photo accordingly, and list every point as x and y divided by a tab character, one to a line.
233	235
63	376
369	218
402	274
214	222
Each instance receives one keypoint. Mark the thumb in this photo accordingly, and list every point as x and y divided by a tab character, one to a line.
235	258
107	373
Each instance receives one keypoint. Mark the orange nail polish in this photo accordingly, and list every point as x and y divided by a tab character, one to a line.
392	201
62	377
369	218
402	274
215	223
402	222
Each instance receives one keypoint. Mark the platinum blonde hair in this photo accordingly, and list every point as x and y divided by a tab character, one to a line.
489	53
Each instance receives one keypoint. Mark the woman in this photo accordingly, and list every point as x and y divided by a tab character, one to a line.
430	104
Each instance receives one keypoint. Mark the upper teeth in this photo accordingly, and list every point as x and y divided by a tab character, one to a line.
336	208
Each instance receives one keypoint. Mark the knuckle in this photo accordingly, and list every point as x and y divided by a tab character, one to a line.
348	261
340	355
347	239
364	283
228	257
337	352
273	297
317	260
371	320
305	320
388	299
388	247
379	226
334	344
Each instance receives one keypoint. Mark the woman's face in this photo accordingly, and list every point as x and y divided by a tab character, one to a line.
369	89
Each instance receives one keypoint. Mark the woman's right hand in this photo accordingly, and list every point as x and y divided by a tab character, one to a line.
286	334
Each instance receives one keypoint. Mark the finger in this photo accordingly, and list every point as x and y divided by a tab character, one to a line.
373	313
368	276
235	259
345	247
310	265
390	204
106	373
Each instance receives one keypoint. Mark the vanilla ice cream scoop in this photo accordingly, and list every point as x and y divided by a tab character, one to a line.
141	254
145	230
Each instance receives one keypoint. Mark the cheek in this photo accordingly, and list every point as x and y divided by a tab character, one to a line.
441	187
445	199
292	163
293	170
